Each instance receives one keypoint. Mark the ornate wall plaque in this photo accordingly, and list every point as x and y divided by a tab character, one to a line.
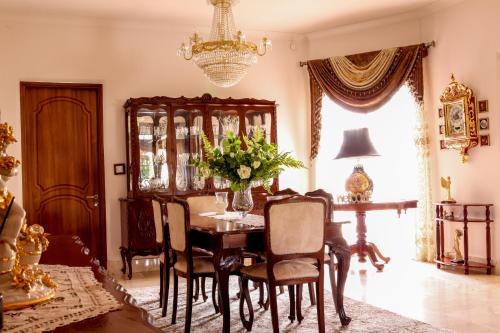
460	118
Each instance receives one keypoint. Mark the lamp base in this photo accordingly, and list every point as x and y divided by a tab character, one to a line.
359	185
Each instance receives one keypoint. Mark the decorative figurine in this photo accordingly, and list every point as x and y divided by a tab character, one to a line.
458	254
446	184
22	282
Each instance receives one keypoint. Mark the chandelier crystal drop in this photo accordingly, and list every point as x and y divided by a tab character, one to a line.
227	56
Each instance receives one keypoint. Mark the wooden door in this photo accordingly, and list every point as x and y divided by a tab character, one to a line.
62	160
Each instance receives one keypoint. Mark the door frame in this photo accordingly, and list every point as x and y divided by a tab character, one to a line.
100	151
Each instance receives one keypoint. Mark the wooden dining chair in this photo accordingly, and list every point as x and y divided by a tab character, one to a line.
202	204
332	248
294	229
184	263
165	263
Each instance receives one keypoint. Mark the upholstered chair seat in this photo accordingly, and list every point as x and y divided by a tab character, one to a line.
283	270
201	265
312	261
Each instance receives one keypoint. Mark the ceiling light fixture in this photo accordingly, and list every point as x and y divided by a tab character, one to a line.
227	56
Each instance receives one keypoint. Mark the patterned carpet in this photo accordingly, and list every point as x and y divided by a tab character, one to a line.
365	318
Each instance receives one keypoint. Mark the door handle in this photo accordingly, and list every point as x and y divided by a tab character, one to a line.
94	197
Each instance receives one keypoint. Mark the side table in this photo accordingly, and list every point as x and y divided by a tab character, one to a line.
362	247
442	216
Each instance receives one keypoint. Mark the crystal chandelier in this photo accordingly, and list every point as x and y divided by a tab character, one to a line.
227	56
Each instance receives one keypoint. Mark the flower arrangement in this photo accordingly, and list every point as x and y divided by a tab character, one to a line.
259	161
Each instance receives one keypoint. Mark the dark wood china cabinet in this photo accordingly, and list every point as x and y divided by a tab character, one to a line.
163	137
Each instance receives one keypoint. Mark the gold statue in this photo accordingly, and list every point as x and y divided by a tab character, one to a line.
22	282
446	184
456	246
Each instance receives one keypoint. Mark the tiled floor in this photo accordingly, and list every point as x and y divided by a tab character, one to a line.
447	299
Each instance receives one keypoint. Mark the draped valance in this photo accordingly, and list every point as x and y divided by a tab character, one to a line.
363	82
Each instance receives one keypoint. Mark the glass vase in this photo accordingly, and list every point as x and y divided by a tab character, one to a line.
242	201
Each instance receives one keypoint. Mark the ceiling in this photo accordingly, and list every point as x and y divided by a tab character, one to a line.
288	16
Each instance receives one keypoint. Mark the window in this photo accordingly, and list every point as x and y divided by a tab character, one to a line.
394	172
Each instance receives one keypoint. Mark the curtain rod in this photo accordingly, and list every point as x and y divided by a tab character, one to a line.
427	45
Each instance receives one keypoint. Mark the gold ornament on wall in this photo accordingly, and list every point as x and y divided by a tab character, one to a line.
460	118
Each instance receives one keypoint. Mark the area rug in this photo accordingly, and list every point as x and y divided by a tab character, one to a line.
365	318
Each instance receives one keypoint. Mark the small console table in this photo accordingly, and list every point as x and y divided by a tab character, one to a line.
442	216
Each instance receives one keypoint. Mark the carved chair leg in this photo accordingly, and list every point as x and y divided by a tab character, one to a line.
291	292
197	289
174	305
266	304
245	297
299	303
189	303
320	304
274	307
312	296
203	292
214	295
261	294
166	279
161	284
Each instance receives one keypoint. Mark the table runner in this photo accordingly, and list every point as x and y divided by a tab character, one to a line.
78	296
251	220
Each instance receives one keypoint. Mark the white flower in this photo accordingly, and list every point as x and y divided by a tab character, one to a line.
231	154
244	172
256	164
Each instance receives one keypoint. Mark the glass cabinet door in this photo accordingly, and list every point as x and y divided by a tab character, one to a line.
224	121
153	167
188	126
258	119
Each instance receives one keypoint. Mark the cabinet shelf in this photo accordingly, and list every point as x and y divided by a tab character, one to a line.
471	264
469	220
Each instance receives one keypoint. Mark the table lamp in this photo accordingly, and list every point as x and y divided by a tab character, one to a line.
357	144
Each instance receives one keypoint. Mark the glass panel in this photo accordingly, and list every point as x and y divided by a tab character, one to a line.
152	129
188	127
222	123
258	119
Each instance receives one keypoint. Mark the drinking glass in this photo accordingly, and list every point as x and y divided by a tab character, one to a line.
221	202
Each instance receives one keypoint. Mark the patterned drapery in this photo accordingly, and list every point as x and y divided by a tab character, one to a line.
363	82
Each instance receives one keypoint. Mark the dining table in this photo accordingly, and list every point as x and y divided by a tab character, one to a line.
227	237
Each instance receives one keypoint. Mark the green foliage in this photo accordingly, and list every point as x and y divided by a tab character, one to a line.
260	161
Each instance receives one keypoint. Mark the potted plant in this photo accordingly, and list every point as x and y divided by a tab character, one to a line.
259	161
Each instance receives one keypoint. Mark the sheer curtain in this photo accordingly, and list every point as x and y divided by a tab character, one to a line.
395	172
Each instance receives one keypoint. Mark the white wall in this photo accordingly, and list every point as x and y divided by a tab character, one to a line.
467	45
132	61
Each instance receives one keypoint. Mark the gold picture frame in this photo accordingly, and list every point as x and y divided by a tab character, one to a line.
460	118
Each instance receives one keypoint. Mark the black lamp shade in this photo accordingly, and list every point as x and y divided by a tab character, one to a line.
357	143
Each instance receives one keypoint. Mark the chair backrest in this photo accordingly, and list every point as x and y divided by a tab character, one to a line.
202	204
295	227
178	224
282	194
320	193
158	218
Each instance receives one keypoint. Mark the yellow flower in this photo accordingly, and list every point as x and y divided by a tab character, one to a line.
256	164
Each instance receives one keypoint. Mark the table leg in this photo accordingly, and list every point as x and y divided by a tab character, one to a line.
342	252
223	266
378	253
360	246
